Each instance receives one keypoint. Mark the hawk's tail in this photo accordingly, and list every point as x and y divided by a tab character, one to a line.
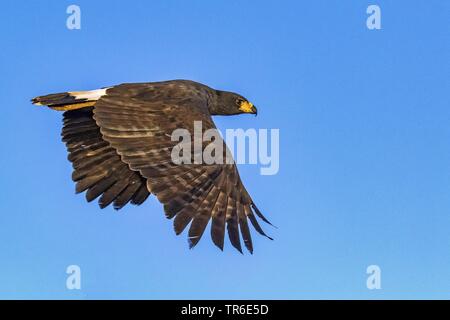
69	100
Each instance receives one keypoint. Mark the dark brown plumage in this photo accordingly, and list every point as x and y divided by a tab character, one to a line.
119	143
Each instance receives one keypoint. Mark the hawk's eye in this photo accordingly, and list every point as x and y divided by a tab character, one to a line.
239	102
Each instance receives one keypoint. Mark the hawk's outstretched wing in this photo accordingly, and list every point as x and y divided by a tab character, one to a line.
97	166
137	121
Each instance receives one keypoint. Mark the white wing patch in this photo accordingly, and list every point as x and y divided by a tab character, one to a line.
91	95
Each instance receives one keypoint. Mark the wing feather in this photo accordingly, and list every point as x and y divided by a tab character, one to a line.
203	216
232	224
98	168
243	226
218	220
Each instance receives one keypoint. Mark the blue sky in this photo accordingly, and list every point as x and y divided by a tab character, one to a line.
364	148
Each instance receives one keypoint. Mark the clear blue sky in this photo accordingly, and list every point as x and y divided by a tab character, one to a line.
364	148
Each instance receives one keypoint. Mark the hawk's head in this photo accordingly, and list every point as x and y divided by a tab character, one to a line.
229	103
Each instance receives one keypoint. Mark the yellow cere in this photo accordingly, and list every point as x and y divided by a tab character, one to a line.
246	107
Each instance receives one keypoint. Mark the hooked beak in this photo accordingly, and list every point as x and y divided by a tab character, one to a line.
254	111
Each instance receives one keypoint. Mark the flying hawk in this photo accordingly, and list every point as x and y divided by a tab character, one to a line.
119	142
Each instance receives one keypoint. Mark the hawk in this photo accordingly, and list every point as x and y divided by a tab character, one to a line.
119	142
